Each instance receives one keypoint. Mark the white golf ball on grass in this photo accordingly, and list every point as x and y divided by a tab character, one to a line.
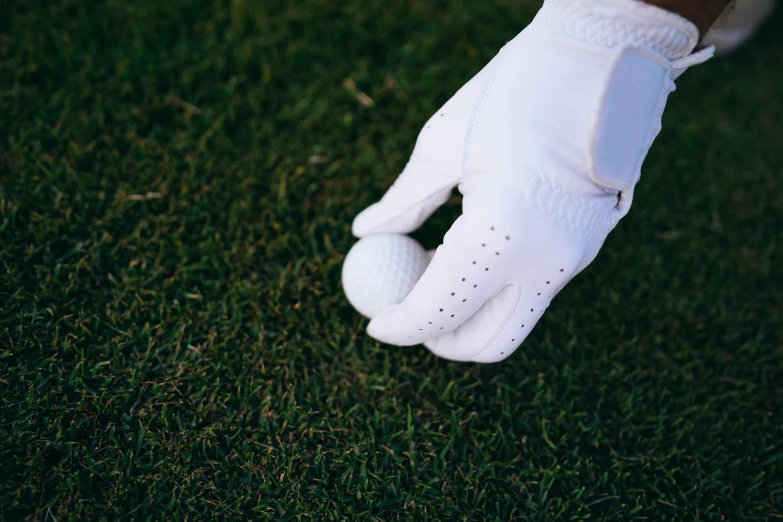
381	270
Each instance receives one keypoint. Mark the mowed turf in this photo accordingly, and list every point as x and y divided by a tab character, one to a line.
178	181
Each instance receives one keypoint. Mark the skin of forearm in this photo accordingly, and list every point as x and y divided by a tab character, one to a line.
703	13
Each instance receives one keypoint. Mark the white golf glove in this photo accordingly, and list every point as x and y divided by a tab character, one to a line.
546	145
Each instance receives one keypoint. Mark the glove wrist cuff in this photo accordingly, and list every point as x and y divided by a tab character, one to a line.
619	23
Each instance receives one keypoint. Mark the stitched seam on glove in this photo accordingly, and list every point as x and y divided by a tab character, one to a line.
476	116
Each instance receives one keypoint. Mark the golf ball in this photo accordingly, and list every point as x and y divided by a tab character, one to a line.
381	270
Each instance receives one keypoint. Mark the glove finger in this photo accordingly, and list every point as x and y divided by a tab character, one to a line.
496	330
466	271
418	192
541	261
434	169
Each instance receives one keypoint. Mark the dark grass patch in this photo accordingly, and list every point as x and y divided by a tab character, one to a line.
177	185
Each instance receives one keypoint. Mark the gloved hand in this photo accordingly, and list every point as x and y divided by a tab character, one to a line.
546	145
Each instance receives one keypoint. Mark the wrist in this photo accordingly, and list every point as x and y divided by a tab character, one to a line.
702	13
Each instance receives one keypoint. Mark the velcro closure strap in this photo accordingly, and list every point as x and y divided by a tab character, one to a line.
629	116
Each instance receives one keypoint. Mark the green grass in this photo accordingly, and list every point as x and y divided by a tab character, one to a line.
178	181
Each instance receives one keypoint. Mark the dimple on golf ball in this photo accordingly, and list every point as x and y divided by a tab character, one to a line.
381	270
